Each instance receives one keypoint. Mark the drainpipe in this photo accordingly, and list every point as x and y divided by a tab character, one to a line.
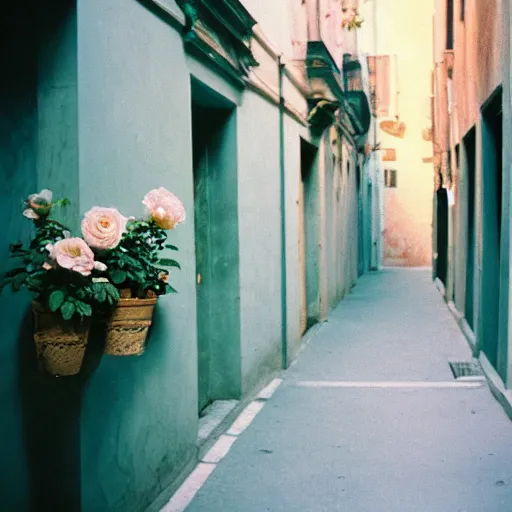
284	309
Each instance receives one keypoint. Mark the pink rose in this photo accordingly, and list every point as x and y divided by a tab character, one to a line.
166	210
102	228
74	254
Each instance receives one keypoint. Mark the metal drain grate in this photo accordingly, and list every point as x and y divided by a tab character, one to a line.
466	370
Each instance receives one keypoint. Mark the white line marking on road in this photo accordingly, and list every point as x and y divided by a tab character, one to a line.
389	384
245	418
219	450
266	393
184	495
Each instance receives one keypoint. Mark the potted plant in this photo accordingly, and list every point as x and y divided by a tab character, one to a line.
131	252
67	282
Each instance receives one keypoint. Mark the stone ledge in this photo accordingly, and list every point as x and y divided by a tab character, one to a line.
496	385
440	286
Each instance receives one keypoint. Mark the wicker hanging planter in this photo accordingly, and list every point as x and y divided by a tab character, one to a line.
60	345
128	326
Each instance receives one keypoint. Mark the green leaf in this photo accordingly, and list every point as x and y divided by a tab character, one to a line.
112	291
56	300
68	310
38	259
135	277
141	275
100	294
34	283
129	260
14	272
18	281
166	262
83	308
118	276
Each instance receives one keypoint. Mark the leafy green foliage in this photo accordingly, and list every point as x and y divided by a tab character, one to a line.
56	299
135	263
169	263
118	276
68	310
59	289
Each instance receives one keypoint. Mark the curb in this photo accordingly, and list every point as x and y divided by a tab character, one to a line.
194	462
440	286
496	385
495	382
212	451
464	327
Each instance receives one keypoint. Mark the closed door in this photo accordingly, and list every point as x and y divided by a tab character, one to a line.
203	224
216	244
302	261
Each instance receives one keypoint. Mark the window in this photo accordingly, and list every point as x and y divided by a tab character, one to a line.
389	153
390	178
462	9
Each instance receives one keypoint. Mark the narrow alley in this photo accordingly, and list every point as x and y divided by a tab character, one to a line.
256	256
370	418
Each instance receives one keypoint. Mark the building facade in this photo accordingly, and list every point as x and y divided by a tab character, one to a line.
397	35
471	106
244	111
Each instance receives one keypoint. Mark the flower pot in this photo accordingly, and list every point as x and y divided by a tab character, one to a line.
128	326
60	345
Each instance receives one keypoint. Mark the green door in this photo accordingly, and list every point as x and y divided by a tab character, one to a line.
203	223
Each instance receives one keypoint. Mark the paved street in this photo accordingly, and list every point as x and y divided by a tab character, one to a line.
371	419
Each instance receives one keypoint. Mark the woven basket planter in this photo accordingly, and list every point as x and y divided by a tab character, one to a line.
128	326
60	345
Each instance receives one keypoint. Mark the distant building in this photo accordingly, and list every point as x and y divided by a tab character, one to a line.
397	36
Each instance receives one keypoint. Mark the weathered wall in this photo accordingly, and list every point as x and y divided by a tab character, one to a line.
404	29
18	143
273	19
506	302
321	20
477	65
259	232
340	216
293	131
139	415
57	107
479	265
112	85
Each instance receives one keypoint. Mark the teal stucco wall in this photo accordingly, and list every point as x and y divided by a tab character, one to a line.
99	109
18	142
139	415
117	435
259	231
